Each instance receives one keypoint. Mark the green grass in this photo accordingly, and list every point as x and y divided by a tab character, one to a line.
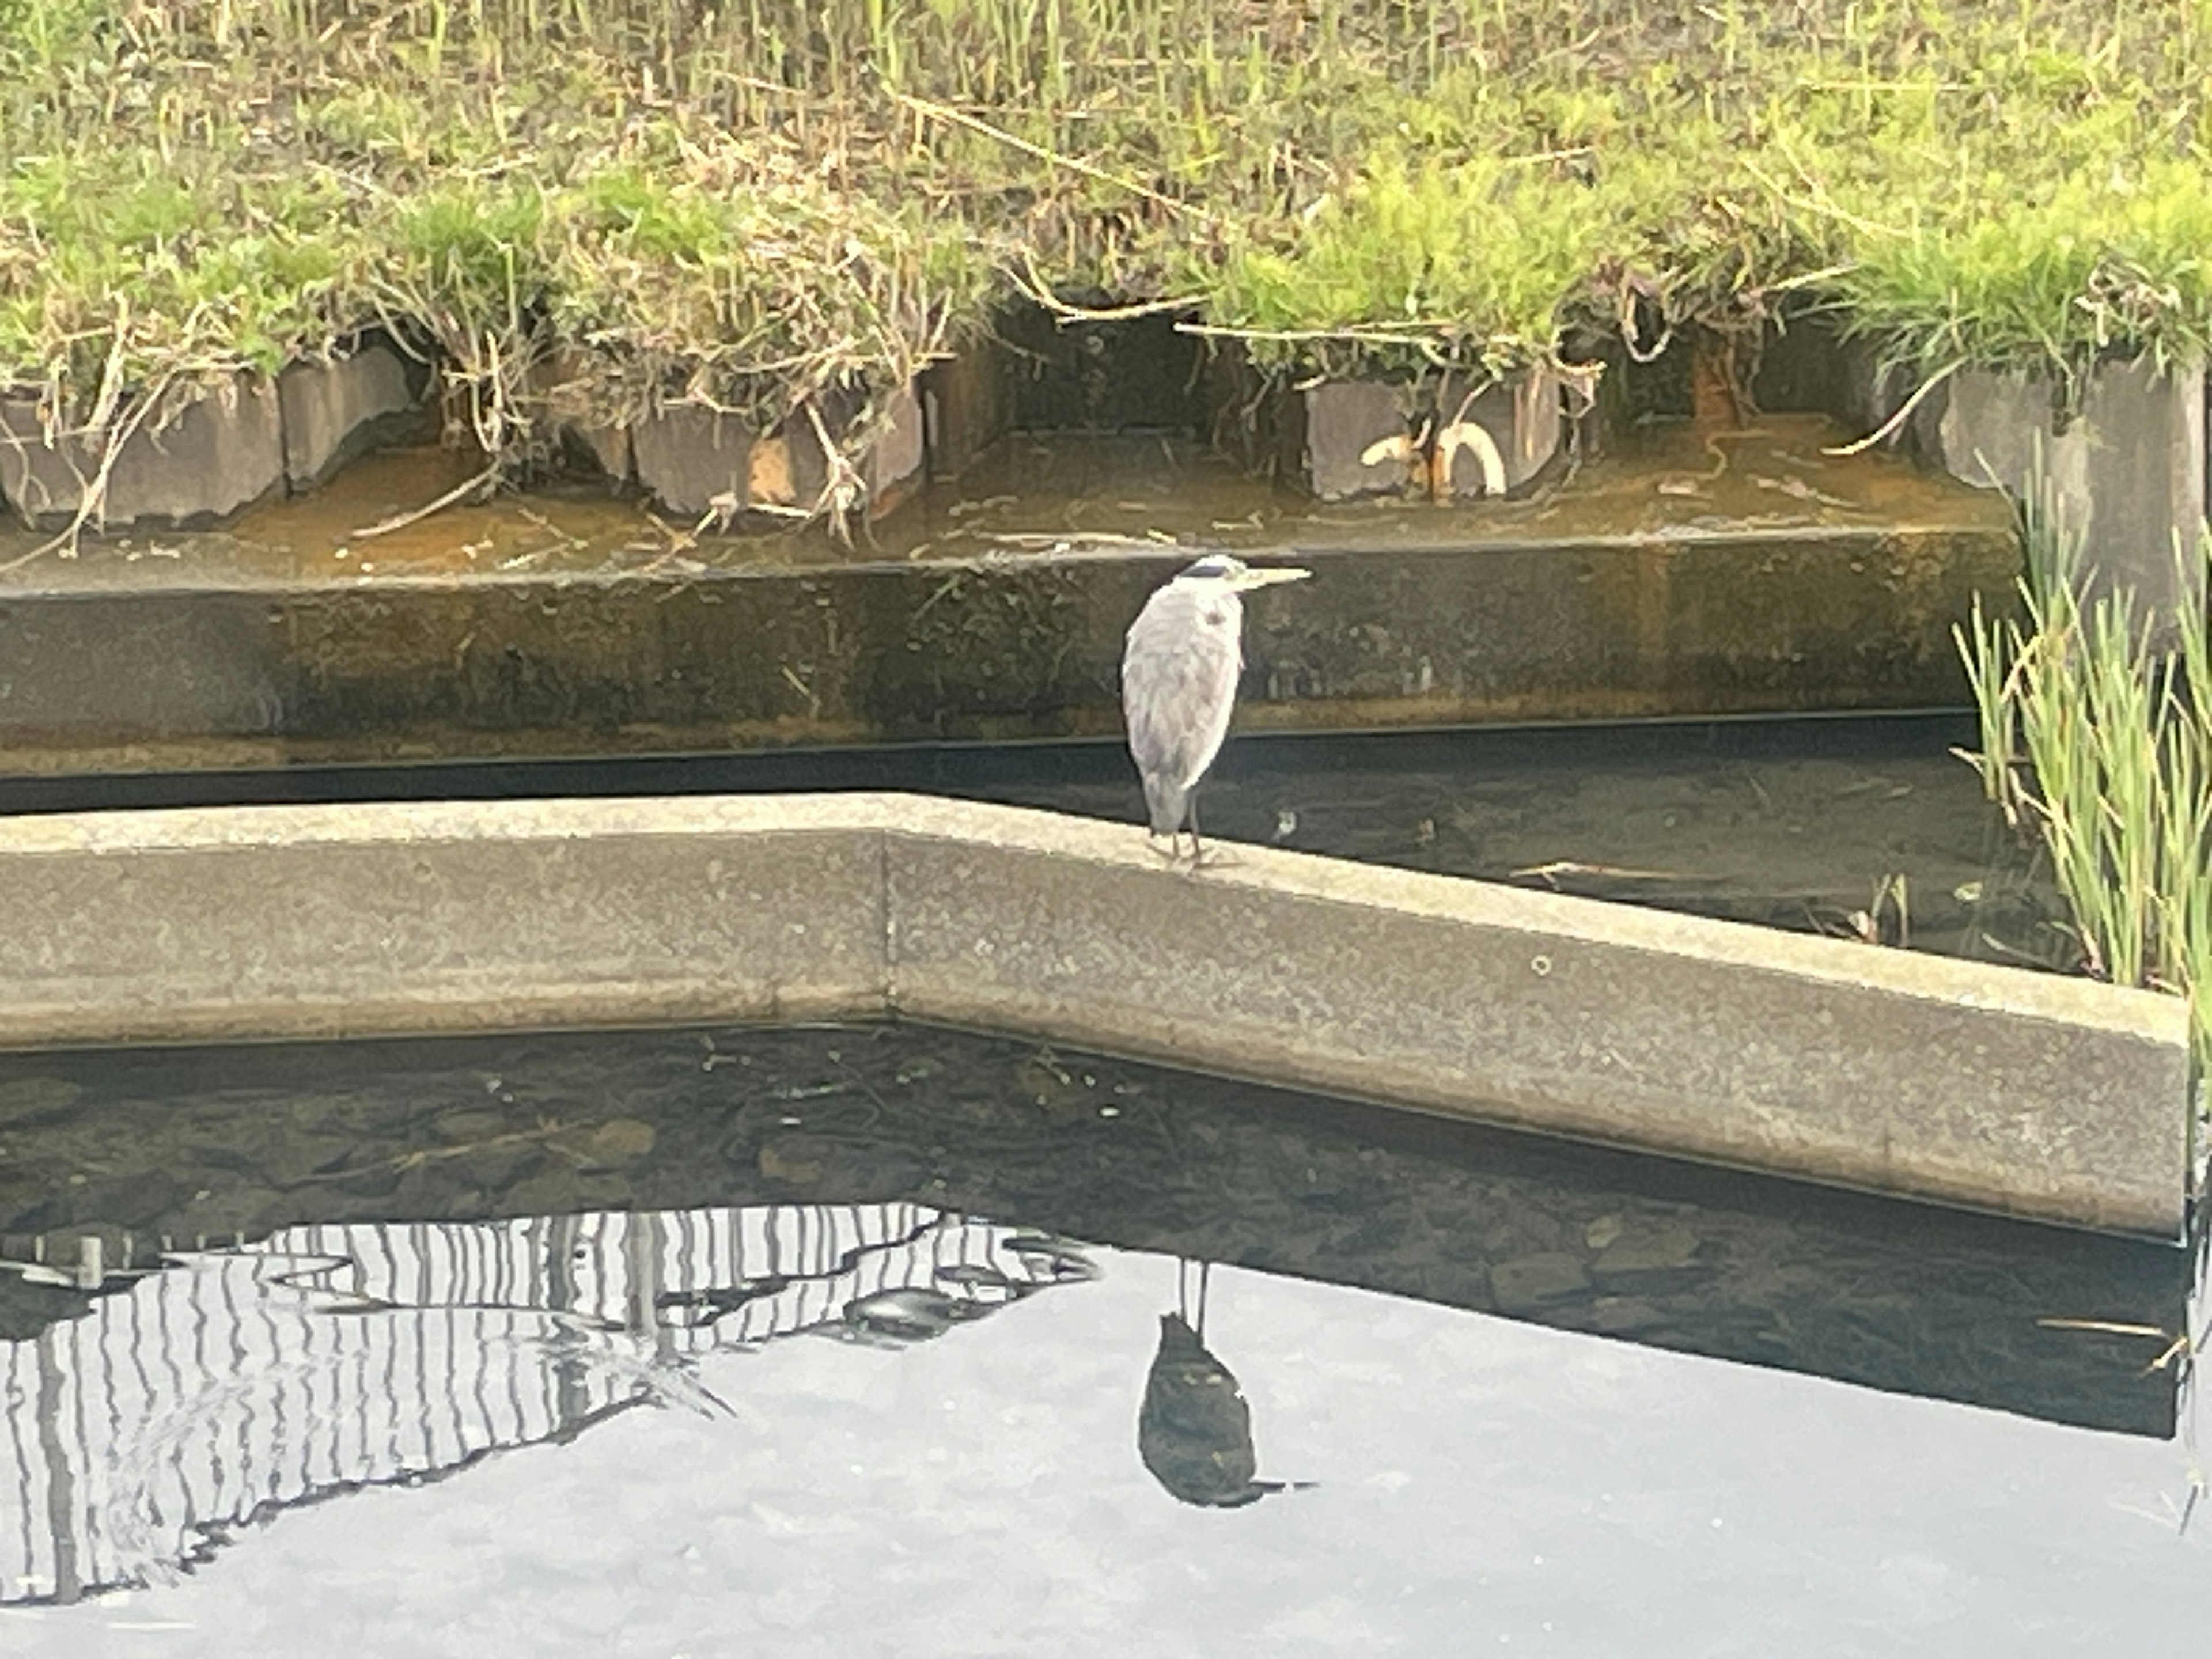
2101	746
749	201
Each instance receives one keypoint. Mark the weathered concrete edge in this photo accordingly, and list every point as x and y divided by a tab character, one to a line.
717	951
1268	869
417	825
2004	1091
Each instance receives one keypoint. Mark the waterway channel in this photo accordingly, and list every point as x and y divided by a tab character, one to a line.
880	1340
860	1340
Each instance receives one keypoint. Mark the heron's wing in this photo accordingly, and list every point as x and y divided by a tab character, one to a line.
1178	685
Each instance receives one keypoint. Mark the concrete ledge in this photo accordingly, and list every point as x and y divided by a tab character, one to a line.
341	921
1660	583
2058	1099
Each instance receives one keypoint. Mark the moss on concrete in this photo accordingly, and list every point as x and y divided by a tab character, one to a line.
747	204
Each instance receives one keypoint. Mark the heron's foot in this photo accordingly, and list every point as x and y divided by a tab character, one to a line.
1167	850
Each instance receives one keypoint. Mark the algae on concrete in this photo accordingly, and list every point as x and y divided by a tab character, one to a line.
1657	585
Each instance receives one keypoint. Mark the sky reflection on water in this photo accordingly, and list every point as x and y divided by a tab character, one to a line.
1481	1483
523	1349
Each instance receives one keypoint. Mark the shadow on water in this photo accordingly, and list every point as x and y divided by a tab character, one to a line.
246	1279
1869	828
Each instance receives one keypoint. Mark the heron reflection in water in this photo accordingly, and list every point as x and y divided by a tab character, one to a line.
1194	1429
1180	667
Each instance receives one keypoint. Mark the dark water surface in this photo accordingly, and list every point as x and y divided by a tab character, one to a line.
852	1342
1867	827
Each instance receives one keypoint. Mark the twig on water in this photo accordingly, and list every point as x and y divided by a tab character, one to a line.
1550	874
1903	412
460	492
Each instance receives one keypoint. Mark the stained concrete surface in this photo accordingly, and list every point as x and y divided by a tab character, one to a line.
2124	471
1702	573
331	411
188	462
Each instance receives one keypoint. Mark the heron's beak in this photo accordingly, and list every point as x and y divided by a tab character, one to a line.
1268	575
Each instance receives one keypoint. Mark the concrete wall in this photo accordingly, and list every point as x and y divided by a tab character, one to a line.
232	656
2048	1097
2127	472
203	455
2122	453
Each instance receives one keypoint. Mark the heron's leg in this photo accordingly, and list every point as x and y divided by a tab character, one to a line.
1200	858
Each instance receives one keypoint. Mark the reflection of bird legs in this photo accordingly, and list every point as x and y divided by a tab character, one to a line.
1183	1266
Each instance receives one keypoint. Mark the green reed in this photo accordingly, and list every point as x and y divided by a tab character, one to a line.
2096	731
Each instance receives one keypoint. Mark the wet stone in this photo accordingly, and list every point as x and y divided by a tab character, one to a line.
1535	1281
1657	1250
620	1140
692	460
880	438
292	1156
474	637
547	1190
2127	470
1520	1232
797	1160
965	407
892	467
565	384
35	1097
332	411
1349	421
470	1124
188	463
1623	1315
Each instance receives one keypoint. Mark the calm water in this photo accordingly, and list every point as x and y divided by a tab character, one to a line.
853	1341
1864	827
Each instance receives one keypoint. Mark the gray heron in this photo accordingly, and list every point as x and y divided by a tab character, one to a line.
1180	667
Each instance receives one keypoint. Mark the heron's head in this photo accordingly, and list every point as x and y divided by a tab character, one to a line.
1235	576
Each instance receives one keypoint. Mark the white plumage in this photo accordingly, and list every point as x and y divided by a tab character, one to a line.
1180	667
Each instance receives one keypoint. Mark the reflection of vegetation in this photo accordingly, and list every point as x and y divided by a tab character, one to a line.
2105	743
722	198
